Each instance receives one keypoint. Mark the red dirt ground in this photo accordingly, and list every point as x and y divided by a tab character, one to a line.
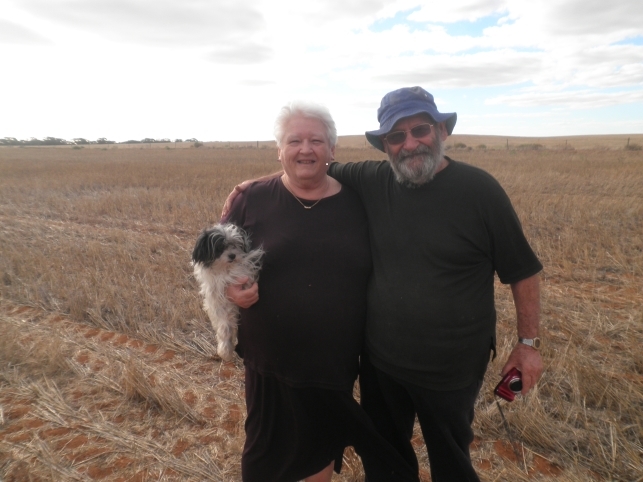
86	431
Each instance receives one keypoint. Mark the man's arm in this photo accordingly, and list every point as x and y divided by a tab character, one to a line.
526	295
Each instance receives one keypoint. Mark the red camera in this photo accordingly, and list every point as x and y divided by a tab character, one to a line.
510	385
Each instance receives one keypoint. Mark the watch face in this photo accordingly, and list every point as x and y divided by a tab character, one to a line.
532	342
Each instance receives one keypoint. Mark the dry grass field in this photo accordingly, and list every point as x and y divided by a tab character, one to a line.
107	369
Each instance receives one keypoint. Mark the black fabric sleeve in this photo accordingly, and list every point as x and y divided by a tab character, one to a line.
513	257
349	174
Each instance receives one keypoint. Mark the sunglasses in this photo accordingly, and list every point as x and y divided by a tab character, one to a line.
418	132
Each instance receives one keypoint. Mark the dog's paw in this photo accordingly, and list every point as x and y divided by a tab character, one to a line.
225	351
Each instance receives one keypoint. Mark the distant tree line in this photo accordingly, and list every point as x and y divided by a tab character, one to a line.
79	141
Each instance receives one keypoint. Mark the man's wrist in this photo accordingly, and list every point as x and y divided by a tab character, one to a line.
535	343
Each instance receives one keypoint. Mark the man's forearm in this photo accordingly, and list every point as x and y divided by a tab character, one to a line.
526	295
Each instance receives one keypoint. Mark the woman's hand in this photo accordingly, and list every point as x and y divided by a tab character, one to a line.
241	295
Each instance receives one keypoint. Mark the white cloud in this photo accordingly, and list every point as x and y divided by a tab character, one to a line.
13	33
450	12
466	71
152	22
167	65
592	17
585	99
250	53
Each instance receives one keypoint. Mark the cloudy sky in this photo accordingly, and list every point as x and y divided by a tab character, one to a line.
221	69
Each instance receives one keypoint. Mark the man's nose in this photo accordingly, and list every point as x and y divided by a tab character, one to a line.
410	143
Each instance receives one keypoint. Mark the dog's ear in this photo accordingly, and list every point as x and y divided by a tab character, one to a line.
243	238
200	251
209	246
247	245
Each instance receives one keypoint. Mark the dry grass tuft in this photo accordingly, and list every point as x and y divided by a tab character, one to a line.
140	384
21	348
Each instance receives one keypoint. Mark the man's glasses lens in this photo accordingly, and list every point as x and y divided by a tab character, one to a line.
398	137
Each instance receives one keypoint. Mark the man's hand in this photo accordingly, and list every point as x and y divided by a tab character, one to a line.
238	189
529	362
241	295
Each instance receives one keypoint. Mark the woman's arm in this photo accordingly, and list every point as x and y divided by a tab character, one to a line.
241	296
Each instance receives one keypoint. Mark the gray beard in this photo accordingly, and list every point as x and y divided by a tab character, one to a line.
416	175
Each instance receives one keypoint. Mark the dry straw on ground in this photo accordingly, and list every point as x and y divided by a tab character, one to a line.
107	360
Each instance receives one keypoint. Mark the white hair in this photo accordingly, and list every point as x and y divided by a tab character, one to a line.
308	110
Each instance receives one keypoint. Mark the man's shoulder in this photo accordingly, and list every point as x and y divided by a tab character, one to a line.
481	187
471	173
465	168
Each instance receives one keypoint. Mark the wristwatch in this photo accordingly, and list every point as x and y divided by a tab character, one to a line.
532	342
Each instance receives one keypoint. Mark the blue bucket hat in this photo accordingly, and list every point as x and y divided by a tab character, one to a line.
403	103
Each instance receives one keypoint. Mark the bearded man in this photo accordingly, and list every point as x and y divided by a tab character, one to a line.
439	230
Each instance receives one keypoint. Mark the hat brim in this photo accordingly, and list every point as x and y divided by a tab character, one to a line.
374	137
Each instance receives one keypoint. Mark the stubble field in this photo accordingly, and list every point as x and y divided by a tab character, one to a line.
107	365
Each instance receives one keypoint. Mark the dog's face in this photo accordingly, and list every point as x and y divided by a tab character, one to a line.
220	245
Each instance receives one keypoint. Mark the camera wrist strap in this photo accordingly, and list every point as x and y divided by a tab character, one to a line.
509	434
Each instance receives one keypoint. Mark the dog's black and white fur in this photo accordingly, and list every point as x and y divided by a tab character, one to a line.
221	256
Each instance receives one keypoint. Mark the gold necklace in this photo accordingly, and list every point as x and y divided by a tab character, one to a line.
299	200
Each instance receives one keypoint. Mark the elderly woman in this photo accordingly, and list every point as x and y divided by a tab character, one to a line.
300	335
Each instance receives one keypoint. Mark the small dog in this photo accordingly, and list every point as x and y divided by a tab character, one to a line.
221	256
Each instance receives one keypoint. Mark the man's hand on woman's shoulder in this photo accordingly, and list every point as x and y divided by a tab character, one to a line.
239	188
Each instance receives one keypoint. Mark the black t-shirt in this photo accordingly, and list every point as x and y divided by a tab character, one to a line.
307	328
431	314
